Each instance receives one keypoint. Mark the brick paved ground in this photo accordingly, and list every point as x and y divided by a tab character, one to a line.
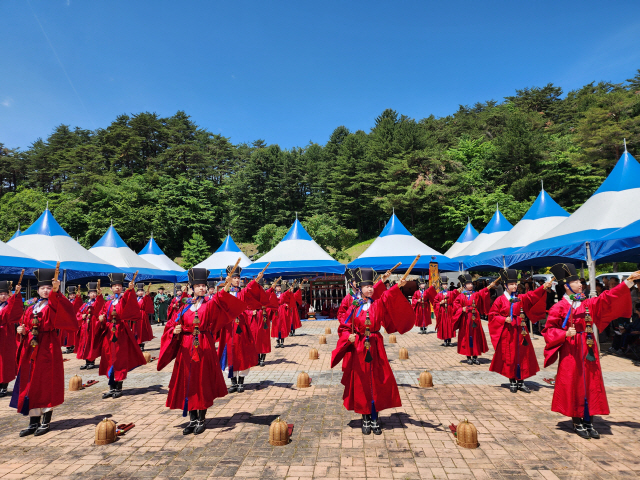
519	436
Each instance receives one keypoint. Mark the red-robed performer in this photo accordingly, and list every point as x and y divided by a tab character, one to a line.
236	349
369	384
444	312
142	327
514	355
68	338
280	325
261	324
189	337
579	389
421	301
39	387
119	349
10	314
88	318
295	312
468	307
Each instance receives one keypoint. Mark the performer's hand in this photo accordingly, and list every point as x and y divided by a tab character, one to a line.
632	278
548	285
352	337
254	312
84	316
260	275
464	309
18	288
442	301
508	319
227	286
101	318
494	284
21	330
177	329
571	331
184	289
55	285
386	276
131	285
402	282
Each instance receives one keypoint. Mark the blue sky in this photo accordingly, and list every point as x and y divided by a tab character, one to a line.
290	72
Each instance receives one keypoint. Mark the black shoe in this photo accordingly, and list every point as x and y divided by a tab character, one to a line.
85	366
34	423
45	426
117	393
3	389
376	428
262	357
234	386
366	425
193	420
513	387
109	394
469	361
444	344
92	365
590	430
240	384
476	361
581	431
142	347
200	425
522	387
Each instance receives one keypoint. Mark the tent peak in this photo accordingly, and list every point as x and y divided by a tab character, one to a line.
297	232
394	227
228	245
624	176
111	239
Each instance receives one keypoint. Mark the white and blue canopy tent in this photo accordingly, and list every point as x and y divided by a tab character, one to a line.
464	240
153	254
226	254
112	249
622	245
17	234
47	241
610	208
296	255
396	244
13	261
497	228
544	215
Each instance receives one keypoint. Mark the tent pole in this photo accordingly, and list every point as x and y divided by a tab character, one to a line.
581	269
504	262
591	265
64	281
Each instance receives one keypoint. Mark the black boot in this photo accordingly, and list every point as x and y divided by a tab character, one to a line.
142	347
85	366
240	384
193	421
366	425
3	389
92	365
476	361
234	386
34	423
45	424
376	427
444	343
522	387
110	393
469	361
513	387
579	428
261	360
117	393
592	431
200	425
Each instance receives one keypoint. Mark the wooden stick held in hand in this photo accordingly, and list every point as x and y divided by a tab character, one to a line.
265	267
396	266
20	279
413	264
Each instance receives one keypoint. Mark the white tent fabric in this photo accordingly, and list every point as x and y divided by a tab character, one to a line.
497	228
464	240
12	262
227	254
153	254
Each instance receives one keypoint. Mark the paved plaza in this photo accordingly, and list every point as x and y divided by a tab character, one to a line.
519	436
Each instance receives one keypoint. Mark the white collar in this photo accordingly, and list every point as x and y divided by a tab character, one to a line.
196	306
37	308
573	304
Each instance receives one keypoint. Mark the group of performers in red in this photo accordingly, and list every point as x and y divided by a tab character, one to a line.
242	321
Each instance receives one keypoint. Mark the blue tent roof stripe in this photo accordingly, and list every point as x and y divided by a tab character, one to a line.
110	239
394	227
545	206
151	248
17	234
498	223
229	245
297	232
624	176
46	225
468	235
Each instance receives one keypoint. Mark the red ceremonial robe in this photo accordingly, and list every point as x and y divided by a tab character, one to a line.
471	339
367	382
123	355
87	349
421	302
281	327
579	378
10	314
197	380
40	382
236	350
295	313
142	328
260	323
445	322
67	337
514	355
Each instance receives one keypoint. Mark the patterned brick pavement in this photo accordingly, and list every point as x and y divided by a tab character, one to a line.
519	436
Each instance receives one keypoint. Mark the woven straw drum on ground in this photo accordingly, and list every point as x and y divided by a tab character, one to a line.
467	435
147	356
327	331
404	354
303	380
105	432
278	433
392	339
75	383
313	354
425	380
323	340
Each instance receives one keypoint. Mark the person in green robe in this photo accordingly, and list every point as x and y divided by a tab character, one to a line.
161	304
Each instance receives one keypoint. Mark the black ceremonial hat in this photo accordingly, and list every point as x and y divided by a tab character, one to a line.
422	280
198	276
5	286
364	276
212	283
45	276
509	275
236	273
92	286
117	278
348	273
139	286
464	279
444	279
565	272
72	289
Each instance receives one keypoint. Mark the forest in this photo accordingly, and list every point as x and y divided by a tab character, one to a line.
189	187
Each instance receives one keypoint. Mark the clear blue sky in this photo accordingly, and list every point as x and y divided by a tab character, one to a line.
290	72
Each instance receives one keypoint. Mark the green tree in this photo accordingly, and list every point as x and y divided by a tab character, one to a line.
267	237
195	251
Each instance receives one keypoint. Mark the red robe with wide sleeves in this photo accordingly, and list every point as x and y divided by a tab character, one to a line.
87	350
471	338
295	317
579	378
281	327
142	328
10	314
363	381
421	302
235	349
67	337
514	355
445	322
40	382
123	355
260	323
197	380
